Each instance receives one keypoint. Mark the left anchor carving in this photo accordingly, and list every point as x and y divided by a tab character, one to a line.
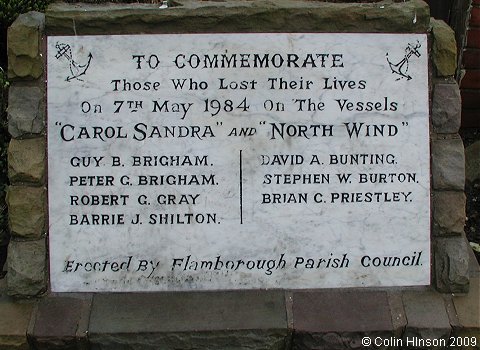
76	69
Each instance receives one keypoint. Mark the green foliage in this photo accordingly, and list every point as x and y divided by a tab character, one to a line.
10	9
4	140
3	90
116	1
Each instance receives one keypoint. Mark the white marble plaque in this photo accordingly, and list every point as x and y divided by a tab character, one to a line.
238	161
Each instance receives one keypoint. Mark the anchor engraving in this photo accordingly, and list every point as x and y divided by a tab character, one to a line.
401	68
76	69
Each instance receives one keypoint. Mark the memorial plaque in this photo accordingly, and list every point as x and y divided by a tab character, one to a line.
238	161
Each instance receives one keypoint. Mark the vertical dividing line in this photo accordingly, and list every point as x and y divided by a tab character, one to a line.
241	189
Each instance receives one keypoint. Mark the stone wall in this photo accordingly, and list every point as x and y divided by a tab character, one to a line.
27	197
448	166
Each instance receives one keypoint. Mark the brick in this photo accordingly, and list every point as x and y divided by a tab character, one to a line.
473	38
471	58
448	164
471	80
475	17
446	108
339	319
448	212
470	99
213	320
471	118
427	316
26	160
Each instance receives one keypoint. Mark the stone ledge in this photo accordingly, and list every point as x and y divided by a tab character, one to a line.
427	316
14	320
60	322
340	319
467	308
316	319
213	320
238	16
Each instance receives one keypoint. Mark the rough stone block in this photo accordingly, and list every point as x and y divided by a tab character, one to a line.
208	320
24	46
14	320
61	323
27	263
472	162
448	212
451	264
448	164
27	211
444	48
26	160
24	34
191	16
339	319
26	111
446	108
427	318
24	67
